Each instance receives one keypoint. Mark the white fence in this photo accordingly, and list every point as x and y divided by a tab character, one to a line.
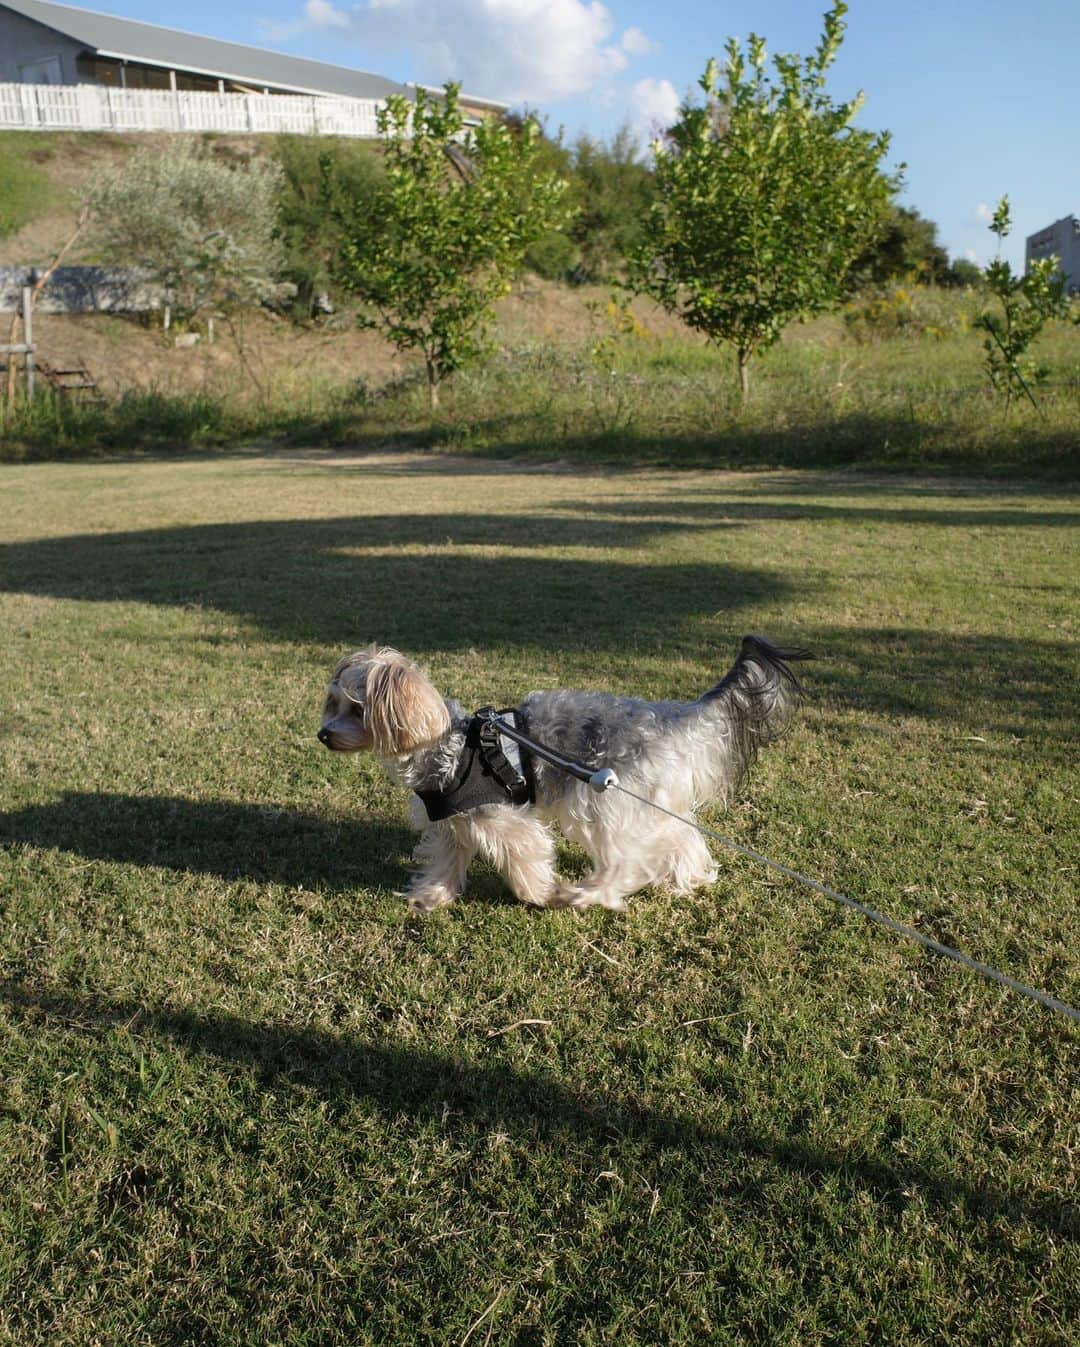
93	107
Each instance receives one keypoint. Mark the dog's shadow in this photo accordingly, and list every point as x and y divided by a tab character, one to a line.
234	841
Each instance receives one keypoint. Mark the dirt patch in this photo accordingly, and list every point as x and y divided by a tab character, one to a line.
126	353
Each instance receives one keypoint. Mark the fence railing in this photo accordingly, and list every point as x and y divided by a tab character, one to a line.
93	107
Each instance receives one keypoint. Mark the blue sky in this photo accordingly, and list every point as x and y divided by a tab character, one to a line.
981	98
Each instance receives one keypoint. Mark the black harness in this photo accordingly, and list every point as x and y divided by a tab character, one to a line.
485	775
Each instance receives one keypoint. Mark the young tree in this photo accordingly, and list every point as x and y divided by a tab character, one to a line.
431	251
766	196
202	229
1028	302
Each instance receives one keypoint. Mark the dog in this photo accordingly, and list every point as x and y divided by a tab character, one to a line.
498	801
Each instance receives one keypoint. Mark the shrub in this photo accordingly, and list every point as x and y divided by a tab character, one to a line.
202	229
307	226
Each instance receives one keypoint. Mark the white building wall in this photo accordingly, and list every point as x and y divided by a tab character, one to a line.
1061	240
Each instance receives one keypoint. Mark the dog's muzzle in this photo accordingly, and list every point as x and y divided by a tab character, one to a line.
324	736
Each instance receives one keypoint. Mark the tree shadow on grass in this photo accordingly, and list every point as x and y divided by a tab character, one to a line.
424	582
702	507
1005	685
879	441
234	841
458	1095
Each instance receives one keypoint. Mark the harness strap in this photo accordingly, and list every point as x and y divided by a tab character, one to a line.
485	728
485	776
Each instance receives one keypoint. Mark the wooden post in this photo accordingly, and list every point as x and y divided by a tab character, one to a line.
28	339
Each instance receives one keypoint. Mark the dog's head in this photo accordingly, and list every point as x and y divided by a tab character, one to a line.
380	701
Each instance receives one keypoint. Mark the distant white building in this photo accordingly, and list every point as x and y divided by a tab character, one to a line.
1060	240
67	68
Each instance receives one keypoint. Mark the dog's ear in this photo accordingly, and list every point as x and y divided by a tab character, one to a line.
403	710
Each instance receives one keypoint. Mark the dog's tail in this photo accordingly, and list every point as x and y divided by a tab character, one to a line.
758	696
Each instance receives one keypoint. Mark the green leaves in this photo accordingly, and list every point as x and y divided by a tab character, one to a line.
766	197
431	251
203	229
1028	303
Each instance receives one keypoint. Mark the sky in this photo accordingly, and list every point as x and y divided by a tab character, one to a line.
981	98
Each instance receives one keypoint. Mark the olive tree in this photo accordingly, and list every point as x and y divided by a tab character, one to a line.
441	238
766	196
203	229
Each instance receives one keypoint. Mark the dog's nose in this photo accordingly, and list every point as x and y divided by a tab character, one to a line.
324	736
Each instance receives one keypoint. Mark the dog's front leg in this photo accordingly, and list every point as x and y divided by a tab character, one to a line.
521	848
442	855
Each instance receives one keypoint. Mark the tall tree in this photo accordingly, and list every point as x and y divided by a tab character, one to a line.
766	195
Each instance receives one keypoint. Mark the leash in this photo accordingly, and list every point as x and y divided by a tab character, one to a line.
605	779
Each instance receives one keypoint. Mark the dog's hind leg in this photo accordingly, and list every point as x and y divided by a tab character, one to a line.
668	855
690	862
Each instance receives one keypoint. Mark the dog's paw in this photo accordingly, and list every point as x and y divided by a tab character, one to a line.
425	901
579	897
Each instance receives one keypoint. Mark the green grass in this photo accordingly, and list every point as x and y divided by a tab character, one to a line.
885	394
245	1100
25	189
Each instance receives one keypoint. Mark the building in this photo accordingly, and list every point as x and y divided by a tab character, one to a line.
42	43
1060	240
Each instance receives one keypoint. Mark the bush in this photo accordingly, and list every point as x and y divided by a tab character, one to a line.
907	249
204	230
611	190
883	312
307	225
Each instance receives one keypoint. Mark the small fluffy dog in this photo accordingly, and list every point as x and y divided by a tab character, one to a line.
679	754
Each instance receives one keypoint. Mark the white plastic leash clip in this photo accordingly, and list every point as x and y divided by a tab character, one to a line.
603	780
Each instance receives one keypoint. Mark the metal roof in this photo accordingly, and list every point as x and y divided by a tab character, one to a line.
129	40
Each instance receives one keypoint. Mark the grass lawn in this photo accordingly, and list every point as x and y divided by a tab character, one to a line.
245	1100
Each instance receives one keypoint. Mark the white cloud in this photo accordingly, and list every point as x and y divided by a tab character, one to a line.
984	213
322	14
635	43
654	108
523	51
971	255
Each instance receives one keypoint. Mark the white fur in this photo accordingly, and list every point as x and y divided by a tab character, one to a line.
678	754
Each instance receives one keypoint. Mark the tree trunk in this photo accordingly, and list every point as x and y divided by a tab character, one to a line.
744	373
433	384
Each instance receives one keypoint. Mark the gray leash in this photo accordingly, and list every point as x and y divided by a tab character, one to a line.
605	779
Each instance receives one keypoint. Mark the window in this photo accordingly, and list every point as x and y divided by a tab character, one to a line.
146	77
47	71
200	84
98	70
